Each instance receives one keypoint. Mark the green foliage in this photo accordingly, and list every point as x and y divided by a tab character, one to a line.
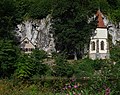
114	12
84	68
8	51
114	4
37	60
9	88
72	30
62	68
38	55
8	57
40	8
24	67
29	65
115	16
22	10
105	76
70	21
98	64
114	54
6	18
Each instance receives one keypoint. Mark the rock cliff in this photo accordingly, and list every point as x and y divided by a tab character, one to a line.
39	32
113	30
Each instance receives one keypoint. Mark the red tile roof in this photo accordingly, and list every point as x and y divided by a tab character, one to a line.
100	19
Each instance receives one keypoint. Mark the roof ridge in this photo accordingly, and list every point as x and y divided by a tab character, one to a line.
28	40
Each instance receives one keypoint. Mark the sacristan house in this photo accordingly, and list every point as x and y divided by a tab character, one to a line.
26	45
99	47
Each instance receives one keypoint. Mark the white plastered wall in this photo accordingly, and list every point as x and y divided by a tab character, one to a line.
101	34
28	45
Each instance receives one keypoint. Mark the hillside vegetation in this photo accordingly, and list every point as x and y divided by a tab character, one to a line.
22	74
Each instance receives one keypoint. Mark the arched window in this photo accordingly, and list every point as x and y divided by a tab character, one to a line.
93	45
102	45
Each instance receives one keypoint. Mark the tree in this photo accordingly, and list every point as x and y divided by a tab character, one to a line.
114	54
37	60
40	8
114	11
24	67
8	49
70	22
8	57
21	10
30	65
6	18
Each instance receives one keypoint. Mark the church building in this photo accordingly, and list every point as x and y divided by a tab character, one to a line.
99	46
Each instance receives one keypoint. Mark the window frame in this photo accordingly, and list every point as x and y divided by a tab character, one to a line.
93	45
102	45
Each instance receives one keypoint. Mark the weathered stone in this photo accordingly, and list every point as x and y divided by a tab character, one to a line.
38	32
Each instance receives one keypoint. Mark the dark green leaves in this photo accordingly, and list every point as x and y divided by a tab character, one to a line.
8	56
40	8
70	21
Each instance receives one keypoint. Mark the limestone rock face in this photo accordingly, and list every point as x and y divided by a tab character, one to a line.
39	32
113	30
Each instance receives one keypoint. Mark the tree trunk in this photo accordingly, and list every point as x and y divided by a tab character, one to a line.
75	55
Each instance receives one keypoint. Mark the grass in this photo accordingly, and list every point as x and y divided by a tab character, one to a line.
8	88
11	87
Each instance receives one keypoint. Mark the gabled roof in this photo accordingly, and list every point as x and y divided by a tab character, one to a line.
99	16
28	40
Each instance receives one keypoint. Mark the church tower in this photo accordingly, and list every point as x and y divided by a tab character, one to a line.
99	41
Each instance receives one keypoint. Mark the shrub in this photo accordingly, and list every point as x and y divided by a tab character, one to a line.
62	67
37	60
84	68
114	54
29	65
24	67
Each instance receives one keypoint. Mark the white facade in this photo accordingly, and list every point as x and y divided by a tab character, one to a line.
101	33
99	44
27	46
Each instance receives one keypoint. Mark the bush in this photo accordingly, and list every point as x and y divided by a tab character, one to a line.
37	60
98	64
8	57
62	68
114	54
24	67
29	65
84	68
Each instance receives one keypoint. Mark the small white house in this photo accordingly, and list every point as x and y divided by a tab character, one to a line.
99	47
26	45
